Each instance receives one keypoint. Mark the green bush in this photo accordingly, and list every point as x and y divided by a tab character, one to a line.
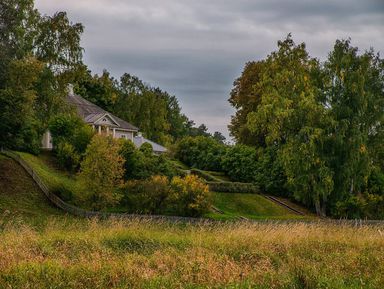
200	152
241	163
189	196
146	196
142	163
204	175
364	206
233	187
71	137
186	196
67	156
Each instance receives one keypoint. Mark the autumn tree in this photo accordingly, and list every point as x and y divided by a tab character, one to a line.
290	116
101	172
245	98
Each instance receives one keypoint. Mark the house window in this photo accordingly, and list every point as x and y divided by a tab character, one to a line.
104	119
123	136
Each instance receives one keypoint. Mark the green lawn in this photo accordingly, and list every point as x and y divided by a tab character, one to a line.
251	206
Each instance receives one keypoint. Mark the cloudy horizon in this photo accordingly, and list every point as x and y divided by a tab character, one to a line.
195	50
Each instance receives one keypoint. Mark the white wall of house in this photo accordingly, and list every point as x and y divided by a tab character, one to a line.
124	134
46	142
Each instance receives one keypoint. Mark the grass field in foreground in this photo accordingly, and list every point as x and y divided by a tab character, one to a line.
251	206
144	254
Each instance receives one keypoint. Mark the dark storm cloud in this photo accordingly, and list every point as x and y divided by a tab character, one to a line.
195	49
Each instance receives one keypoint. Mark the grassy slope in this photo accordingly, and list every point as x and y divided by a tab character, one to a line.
57	180
251	206
19	195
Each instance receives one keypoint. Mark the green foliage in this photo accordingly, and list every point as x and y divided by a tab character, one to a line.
101	173
240	163
147	196
142	163
67	156
17	98
270	174
234	187
204	175
245	97
71	137
320	123
186	196
35	52
200	152
189	196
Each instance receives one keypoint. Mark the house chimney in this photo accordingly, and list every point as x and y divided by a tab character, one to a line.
70	89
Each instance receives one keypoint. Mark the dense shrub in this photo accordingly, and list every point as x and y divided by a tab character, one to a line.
204	175
233	187
241	163
365	206
186	196
71	137
146	196
270	174
67	156
101	173
189	196
201	152
143	163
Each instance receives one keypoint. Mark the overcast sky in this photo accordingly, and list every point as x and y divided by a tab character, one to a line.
195	49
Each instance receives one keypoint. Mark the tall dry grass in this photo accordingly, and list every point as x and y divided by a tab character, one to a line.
147	254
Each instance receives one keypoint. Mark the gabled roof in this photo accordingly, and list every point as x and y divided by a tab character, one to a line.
90	112
140	140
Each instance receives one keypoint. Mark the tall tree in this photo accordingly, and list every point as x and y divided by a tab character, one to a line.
245	98
353	92
290	116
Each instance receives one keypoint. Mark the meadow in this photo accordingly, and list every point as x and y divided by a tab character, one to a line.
148	254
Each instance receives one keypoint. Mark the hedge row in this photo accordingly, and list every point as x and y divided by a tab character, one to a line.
233	187
204	175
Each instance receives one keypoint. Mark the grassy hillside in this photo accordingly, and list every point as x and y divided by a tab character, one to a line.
19	195
250	206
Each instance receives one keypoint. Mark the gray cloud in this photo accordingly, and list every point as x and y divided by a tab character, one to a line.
195	49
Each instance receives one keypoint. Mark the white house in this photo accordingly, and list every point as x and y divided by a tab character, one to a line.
103	122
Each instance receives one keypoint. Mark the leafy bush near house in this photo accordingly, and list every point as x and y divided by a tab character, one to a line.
200	152
67	156
101	173
142	163
71	137
233	187
183	196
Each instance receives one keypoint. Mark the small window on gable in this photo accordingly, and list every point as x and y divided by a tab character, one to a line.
104	119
